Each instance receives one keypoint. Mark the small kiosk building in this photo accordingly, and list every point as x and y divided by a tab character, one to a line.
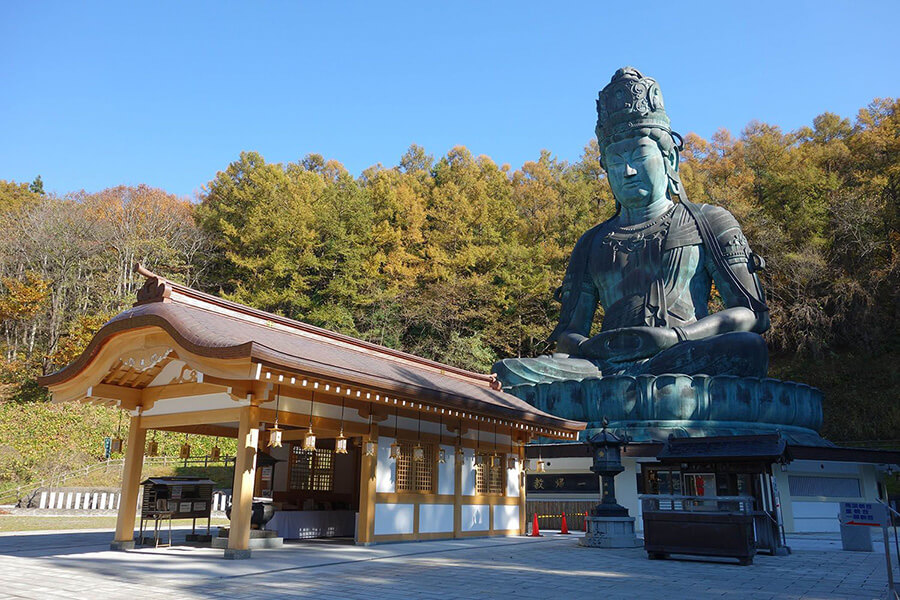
432	451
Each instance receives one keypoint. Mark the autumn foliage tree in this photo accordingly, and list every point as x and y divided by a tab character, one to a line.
456	257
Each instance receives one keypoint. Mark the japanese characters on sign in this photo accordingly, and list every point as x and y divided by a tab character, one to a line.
869	514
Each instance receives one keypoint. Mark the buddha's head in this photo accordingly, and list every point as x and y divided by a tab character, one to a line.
638	148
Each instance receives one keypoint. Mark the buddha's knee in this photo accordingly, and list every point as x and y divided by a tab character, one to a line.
745	343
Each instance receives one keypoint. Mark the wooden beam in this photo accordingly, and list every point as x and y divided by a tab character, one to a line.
129	397
210	430
178	390
203	417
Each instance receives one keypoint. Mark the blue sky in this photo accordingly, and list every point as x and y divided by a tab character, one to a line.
94	95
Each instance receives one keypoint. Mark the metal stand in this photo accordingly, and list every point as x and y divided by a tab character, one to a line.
157	516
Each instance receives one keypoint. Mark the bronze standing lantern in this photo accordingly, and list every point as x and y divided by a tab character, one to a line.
606	450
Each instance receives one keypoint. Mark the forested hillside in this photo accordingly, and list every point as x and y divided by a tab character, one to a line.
455	258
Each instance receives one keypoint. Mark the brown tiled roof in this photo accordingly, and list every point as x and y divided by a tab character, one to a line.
216	328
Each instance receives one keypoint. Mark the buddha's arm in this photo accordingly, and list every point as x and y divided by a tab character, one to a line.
579	325
740	291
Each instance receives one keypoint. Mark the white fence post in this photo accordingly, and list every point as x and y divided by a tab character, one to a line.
103	501
43	502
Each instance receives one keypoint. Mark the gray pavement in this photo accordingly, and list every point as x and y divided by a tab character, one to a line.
75	565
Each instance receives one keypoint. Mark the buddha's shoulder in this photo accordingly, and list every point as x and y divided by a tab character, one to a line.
720	219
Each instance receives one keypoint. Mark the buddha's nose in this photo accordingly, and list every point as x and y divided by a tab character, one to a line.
630	171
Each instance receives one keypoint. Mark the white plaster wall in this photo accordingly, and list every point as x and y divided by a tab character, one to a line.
446	473
626	491
476	517
512	480
394	518
506	517
385	469
818	514
468	472
435	518
815	517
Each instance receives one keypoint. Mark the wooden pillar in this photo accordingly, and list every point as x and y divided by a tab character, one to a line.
521	464
458	459
244	480
365	524
131	482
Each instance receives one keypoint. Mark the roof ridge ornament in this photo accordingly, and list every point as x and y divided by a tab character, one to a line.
155	289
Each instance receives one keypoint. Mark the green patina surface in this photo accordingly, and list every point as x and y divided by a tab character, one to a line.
661	363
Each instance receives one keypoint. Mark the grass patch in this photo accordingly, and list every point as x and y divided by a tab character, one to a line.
37	523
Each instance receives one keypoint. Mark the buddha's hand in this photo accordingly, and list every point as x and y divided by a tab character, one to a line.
628	343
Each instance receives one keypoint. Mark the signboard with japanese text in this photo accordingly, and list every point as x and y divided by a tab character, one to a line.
536	483
870	514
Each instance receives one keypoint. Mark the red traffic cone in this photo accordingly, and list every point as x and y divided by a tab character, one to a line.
535	532
564	528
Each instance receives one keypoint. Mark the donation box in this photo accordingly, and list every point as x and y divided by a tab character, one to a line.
184	497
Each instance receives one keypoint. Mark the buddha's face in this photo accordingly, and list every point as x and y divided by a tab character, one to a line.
636	169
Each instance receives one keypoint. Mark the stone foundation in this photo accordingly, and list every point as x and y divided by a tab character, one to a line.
610	532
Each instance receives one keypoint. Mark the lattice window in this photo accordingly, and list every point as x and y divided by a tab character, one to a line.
415	475
311	470
488	479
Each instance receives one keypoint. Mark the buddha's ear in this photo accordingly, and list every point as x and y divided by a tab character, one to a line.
673	159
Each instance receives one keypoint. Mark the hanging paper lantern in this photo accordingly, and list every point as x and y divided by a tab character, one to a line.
371	448
215	452
275	436
511	462
152	448
418	453
442	456
479	460
395	450
540	466
185	451
340	444
309	440
495	461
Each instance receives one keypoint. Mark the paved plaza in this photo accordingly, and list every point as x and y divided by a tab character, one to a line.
76	565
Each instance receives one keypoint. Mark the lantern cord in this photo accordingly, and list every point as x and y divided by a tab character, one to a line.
312	403
342	416
441	431
419	432
396	420
119	426
277	401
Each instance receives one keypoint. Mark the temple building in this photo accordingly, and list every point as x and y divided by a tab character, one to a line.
366	441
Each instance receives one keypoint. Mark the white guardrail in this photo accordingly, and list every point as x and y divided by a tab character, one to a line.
103	501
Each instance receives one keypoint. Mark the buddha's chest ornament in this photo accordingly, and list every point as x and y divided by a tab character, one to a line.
624	244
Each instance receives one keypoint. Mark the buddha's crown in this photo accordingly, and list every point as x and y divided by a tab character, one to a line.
630	101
